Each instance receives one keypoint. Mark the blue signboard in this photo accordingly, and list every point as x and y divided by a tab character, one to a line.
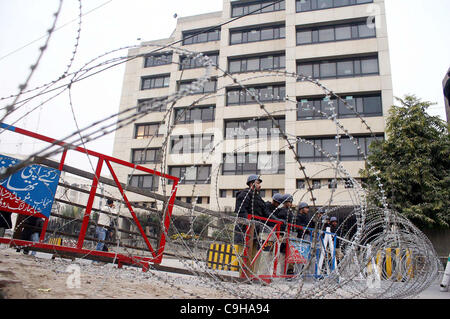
30	190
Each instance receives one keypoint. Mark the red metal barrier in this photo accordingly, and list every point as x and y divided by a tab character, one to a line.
121	259
247	264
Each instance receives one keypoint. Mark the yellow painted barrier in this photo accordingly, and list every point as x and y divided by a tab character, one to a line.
223	257
390	261
55	241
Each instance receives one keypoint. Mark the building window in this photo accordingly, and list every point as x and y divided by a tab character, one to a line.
191	115
146	130
258	63
309	5
301	183
196	62
158	104
192	174
332	183
262	128
223	193
317	149
158	59
265	94
257	34
320	108
339	68
348	183
146	156
351	31
253	163
148	182
155	82
209	87
191	143
256	7
199	36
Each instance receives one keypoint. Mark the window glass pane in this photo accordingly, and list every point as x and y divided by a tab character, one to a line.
210	86
345	109
305	150
372	105
253	35
233	97
214	35
237	11
305	69
203	173
282	32
267	63
191	173
328	69
340	3
304	37
235	66
365	31
326	34
369	66
343	33
324	4
348	149
329	146
208	114
267	34
236	37
305	109
345	68
253	64
303	5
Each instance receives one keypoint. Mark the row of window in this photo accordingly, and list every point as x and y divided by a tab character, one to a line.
187	63
191	143
155	82
261	128
320	108
264	193
338	68
330	183
257	34
192	174
317	149
265	94
308	5
253	163
209	86
199	36
191	115
258	63
256	7
332	33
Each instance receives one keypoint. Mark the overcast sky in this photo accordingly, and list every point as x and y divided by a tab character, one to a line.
419	48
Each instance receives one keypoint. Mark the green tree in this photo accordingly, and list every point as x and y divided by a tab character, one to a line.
413	164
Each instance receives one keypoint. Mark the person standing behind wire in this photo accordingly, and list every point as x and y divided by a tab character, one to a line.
104	221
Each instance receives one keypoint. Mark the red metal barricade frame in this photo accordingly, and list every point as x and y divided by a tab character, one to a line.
246	273
121	259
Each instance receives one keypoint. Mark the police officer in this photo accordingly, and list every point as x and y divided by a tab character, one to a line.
302	218
275	209
248	202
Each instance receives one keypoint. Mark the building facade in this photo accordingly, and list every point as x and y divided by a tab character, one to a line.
218	134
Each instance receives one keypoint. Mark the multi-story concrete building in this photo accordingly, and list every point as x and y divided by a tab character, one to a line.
218	135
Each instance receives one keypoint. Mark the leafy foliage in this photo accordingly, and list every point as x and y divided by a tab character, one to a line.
413	164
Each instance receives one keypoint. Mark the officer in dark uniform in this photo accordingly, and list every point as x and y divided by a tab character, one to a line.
248	202
275	209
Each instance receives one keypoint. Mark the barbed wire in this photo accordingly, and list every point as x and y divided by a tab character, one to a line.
376	230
